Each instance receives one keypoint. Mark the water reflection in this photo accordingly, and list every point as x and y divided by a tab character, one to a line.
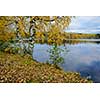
92	70
77	41
82	57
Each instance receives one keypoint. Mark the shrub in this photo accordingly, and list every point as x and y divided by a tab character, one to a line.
55	55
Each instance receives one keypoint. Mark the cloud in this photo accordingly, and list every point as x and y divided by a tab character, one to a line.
88	24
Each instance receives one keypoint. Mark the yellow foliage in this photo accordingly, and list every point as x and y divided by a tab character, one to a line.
41	24
7	36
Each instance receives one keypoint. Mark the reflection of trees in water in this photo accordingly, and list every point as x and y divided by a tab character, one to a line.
81	41
97	42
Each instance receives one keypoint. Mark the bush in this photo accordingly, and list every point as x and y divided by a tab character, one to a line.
55	57
4	45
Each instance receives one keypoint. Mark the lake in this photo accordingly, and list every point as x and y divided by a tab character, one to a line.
79	56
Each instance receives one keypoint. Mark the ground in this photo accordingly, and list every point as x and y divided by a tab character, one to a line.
23	69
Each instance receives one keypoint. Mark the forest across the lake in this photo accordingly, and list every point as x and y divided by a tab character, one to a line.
73	35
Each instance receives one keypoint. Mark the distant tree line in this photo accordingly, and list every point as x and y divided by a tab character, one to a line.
82	36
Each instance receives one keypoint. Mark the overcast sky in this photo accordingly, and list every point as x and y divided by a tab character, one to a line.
85	24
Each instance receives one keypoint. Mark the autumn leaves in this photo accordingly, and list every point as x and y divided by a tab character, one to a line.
20	26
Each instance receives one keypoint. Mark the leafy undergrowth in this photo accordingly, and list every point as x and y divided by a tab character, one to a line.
17	69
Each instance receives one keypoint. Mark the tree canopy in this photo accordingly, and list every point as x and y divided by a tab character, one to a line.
27	26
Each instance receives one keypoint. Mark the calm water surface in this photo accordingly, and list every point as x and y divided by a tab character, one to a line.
83	57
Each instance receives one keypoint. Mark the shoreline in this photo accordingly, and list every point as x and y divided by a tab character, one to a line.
22	69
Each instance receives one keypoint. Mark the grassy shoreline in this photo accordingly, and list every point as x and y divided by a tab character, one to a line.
17	69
